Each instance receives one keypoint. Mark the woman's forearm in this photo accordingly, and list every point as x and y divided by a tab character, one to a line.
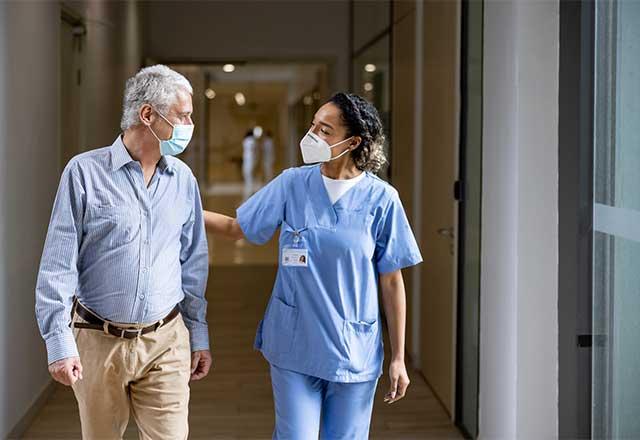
395	309
223	225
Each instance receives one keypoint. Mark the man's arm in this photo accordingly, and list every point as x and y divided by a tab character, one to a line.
194	258
58	274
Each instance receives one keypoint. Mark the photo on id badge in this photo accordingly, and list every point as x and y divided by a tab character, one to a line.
295	257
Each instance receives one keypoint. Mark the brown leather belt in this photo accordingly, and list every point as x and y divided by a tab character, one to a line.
94	322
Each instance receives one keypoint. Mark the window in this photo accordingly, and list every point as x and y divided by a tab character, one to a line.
616	240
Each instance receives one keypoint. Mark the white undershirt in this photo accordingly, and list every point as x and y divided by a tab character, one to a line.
337	188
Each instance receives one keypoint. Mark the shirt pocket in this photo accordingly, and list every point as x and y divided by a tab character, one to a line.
175	216
113	226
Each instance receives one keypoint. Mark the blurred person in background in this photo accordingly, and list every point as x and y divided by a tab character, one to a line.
268	156
248	162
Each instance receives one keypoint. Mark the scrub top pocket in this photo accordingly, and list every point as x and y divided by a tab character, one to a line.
279	326
361	220
361	340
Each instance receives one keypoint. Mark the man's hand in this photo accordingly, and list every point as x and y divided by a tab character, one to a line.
66	371
399	381
200	364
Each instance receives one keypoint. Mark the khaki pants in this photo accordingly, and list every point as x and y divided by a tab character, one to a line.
147	376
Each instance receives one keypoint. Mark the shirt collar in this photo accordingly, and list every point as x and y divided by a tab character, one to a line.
120	157
119	154
165	166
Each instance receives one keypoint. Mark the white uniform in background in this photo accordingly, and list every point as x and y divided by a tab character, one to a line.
267	158
248	161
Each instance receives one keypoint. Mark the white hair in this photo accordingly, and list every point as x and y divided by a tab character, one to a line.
157	86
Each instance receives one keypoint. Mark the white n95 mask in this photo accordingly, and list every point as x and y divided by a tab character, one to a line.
315	149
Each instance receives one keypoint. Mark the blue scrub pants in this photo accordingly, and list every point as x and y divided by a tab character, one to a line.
307	406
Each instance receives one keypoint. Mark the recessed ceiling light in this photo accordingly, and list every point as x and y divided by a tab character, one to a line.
210	93
368	87
240	98
228	68
370	67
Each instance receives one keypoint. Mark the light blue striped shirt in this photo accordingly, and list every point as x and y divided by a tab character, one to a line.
129	252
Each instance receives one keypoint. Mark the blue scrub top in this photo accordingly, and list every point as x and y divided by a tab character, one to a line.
323	319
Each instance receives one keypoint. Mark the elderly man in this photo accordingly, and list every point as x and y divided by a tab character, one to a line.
120	294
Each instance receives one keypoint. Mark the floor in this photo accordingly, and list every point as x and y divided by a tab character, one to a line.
234	401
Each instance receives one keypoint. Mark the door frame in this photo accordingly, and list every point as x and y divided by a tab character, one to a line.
575	207
461	192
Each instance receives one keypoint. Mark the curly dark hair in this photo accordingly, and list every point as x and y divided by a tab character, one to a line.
362	119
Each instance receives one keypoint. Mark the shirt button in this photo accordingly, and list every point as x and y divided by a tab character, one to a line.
146	242
141	296
144	270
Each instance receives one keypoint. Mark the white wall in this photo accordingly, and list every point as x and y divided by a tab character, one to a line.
519	322
538	222
251	30
29	177
29	156
497	400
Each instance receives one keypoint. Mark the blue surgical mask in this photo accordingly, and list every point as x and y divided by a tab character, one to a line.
180	138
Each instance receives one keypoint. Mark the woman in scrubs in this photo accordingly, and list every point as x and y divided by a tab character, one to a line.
343	233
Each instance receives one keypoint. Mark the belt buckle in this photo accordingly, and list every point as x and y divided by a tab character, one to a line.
138	332
107	325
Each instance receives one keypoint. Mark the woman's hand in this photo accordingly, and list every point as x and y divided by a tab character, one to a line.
399	381
222	225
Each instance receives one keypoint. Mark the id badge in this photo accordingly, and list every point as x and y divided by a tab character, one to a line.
295	257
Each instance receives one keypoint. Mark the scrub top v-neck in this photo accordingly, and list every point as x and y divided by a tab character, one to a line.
323	317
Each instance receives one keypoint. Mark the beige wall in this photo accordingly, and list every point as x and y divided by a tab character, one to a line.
29	150
112	52
425	151
440	137
403	143
28	158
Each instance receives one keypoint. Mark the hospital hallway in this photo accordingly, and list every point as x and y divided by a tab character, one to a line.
504	132
235	400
